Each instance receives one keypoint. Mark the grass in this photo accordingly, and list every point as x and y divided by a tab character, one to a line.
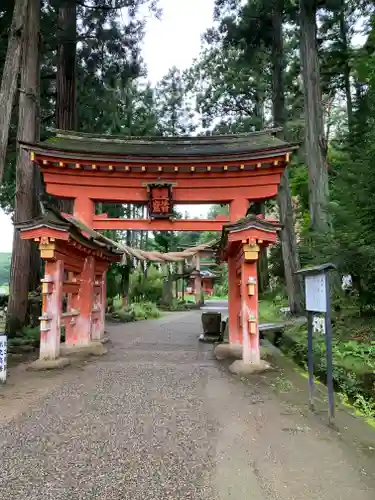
269	312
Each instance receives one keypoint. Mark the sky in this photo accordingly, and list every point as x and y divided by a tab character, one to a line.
172	41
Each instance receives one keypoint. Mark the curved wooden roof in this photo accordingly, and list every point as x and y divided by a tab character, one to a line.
68	144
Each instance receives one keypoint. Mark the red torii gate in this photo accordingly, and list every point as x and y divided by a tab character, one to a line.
163	171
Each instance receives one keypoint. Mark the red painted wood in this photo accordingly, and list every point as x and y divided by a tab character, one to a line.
100	223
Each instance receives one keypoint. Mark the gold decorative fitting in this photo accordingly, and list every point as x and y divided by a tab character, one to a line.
160	169
251	282
276	162
110	167
32	156
78	165
61	164
143	168
251	252
93	167
192	169
225	167
127	168
209	168
47	250
242	167
45	162
176	169
259	165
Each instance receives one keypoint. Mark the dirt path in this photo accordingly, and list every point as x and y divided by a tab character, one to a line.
158	418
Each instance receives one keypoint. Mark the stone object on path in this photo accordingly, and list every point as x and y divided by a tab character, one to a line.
211	324
92	349
238	367
48	364
225	351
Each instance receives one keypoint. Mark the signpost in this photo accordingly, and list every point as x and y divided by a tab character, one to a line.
318	301
3	358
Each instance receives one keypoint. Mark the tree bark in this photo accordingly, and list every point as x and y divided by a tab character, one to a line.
10	77
315	144
24	205
346	68
66	81
284	197
66	99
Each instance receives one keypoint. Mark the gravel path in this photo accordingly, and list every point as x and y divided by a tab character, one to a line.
157	419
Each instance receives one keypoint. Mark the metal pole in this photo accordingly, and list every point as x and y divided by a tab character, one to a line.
328	337
310	358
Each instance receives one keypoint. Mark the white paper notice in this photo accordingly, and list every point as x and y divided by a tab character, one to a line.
316	297
3	358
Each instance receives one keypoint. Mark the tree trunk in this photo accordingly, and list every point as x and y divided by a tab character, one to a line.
66	98
284	198
315	144
27	131
10	77
346	68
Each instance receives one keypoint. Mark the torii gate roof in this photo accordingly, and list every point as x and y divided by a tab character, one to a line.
69	145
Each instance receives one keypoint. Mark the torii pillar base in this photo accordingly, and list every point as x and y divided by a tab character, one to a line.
240	367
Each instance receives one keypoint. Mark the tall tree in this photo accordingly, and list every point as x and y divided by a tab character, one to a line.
10	76
174	112
28	132
284	196
256	29
315	143
66	82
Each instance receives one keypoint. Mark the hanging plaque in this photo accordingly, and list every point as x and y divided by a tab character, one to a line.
160	201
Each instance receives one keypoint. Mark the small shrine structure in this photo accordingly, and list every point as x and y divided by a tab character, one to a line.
207	279
76	259
158	172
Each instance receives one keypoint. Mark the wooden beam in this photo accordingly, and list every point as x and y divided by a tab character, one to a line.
101	223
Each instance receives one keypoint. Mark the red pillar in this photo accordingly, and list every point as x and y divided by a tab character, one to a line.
84	210
52	286
250	330
238	209
234	302
198	281
85	302
98	328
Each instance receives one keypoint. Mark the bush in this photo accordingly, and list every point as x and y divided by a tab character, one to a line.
144	310
136	312
147	288
124	315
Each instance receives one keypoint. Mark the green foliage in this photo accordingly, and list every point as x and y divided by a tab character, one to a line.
353	363
5	261
137	312
144	310
146	288
221	290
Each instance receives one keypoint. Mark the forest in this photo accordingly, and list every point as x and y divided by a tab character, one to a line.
306	67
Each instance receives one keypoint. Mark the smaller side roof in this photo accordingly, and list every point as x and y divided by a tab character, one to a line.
51	218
